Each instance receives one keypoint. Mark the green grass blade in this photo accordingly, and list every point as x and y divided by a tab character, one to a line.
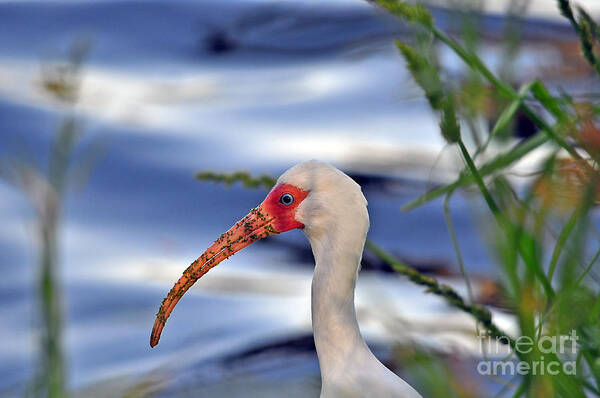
562	240
505	117
587	268
499	162
246	179
594	28
584	30
480	313
540	92
475	63
526	243
456	246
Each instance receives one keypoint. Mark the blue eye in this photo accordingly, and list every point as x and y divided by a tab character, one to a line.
286	199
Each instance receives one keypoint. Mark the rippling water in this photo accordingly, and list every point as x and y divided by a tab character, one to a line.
171	88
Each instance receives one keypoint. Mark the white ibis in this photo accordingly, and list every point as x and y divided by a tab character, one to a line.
332	211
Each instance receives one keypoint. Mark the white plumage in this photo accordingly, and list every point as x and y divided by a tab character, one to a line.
336	222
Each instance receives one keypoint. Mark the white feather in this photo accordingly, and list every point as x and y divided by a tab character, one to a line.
336	223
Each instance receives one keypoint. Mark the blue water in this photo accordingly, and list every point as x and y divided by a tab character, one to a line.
173	88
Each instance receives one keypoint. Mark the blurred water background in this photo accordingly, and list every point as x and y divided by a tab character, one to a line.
170	88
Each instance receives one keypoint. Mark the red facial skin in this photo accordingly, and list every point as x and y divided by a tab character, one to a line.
271	217
284	214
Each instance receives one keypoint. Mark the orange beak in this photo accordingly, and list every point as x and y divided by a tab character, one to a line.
254	226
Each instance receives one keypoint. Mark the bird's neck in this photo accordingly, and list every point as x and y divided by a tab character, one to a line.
335	327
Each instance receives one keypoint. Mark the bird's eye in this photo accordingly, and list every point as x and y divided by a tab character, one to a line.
286	199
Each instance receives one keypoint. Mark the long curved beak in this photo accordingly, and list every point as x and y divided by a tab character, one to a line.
254	226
